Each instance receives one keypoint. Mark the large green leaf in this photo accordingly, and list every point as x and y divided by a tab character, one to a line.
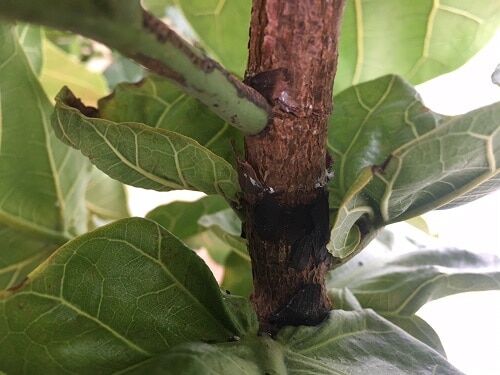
110	299
397	286
418	40
142	156
158	103
397	159
454	164
415	39
42	181
349	342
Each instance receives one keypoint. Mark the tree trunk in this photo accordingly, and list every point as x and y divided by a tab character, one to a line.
292	63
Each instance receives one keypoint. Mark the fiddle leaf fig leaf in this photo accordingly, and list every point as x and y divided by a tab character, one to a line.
222	28
181	218
396	286
30	38
455	163
398	159
41	180
345	235
348	342
106	198
20	253
110	299
141	156
418	40
158	103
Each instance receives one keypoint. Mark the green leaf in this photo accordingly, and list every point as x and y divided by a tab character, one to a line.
348	342
455	163
418	40
62	69
20	253
106	198
158	103
222	28
238	274
357	342
110	299
397	159
141	156
397	286
226	226
253	356
345	236
127	28
181	218
41	180
30	38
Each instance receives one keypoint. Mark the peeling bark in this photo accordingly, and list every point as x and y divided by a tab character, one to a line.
292	63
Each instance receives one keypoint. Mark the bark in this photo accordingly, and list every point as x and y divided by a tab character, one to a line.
292	63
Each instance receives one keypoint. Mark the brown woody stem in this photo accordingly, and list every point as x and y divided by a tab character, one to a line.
292	63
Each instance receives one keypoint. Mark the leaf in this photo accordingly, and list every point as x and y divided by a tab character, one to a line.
397	286
418	40
127	28
222	27
106	198
110	299
41	180
141	156
20	253
62	69
226	226
158	103
30	38
454	164
345	236
419	160
181	218
254	356
238	274
348	342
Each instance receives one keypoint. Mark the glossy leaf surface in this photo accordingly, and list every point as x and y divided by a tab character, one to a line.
109	299
397	286
349	342
398	159
141	156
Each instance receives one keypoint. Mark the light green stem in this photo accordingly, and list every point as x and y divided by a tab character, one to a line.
126	27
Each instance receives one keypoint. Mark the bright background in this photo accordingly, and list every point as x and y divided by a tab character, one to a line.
468	323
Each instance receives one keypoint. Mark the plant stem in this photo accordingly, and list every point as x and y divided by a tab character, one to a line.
292	63
126	27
